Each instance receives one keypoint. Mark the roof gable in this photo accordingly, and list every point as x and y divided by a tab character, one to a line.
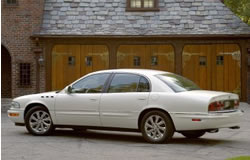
108	17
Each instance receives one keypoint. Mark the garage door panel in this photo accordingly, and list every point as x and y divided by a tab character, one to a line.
219	68
86	59
196	61
65	60
70	62
74	68
232	51
150	50
166	57
100	57
139	51
222	69
227	73
159	57
124	57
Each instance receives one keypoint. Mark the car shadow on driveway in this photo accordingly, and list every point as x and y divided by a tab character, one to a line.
127	137
94	135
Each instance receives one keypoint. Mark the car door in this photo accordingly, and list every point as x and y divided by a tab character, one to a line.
80	106
125	96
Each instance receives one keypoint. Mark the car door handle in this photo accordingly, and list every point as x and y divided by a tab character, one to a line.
93	99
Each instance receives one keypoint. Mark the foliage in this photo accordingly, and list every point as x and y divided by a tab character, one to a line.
240	158
241	8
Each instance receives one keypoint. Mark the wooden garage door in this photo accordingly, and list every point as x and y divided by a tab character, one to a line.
160	57
213	67
70	62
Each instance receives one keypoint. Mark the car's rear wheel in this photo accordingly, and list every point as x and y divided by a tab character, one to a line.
38	121
157	127
193	134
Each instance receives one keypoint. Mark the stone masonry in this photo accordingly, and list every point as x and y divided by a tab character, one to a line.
108	17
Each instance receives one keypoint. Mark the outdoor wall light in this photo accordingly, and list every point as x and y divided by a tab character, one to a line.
41	61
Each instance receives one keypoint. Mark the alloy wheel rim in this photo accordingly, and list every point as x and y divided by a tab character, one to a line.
40	122
155	127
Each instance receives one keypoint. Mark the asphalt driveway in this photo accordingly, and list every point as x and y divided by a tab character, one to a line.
17	144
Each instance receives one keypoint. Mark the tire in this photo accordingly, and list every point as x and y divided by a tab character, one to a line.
157	127
38	121
193	134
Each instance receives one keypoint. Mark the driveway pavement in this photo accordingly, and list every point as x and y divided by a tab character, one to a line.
17	144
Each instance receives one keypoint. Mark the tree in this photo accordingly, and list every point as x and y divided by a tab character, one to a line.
241	8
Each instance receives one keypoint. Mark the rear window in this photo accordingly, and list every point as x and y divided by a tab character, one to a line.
178	83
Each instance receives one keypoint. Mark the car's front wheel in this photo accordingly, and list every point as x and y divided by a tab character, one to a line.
157	127
193	134
38	121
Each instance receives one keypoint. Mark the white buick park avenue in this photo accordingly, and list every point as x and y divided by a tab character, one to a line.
155	103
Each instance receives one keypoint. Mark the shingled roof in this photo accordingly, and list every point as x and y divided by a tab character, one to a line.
108	17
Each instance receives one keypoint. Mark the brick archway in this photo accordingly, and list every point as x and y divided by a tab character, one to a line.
6	73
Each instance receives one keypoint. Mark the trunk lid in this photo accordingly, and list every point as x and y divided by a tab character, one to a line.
217	101
211	95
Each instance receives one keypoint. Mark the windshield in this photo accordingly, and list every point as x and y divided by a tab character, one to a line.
177	83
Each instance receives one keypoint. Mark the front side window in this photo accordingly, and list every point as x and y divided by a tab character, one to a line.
91	84
124	83
178	83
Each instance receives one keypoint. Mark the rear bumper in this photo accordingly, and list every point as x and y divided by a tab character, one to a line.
184	121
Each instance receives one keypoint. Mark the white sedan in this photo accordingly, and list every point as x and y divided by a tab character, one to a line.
156	103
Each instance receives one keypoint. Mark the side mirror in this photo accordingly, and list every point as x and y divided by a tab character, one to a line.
69	89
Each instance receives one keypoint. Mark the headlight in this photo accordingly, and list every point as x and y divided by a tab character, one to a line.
15	104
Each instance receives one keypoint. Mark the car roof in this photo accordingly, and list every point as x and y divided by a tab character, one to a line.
137	71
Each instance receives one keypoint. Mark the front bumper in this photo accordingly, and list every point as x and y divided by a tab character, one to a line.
185	121
16	115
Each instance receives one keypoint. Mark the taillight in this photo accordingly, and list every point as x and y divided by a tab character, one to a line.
236	104
223	105
216	106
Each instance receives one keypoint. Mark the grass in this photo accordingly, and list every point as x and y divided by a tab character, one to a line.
240	158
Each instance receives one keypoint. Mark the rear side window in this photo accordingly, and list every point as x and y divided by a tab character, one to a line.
124	83
143	85
128	83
